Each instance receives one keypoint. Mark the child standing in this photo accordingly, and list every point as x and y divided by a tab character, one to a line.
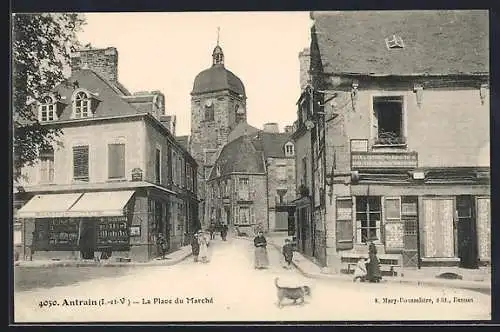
360	270
287	253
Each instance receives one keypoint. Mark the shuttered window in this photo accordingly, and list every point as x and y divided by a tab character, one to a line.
158	166
47	166
81	163
116	161
393	228
344	223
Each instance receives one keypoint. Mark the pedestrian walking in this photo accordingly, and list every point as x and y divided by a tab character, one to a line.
211	229
223	232
373	273
261	257
203	241
287	251
161	244
195	246
360	270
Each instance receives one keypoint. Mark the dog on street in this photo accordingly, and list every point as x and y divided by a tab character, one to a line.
292	293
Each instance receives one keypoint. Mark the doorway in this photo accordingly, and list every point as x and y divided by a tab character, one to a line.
87	241
466	232
409	215
228	215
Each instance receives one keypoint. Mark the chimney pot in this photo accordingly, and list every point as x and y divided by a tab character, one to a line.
271	127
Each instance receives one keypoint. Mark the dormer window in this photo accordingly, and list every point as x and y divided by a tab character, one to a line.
394	42
289	149
81	105
47	110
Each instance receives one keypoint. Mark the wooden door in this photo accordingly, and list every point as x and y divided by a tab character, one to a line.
466	232
409	215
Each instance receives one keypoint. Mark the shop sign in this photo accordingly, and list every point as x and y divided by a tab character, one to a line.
135	230
381	160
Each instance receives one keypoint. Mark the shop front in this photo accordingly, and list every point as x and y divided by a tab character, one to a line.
123	224
426	224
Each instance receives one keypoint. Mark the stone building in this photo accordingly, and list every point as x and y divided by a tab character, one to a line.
116	178
219	116
253	182
398	114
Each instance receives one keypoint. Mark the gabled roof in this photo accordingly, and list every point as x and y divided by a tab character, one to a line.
271	144
435	42
110	103
247	153
239	156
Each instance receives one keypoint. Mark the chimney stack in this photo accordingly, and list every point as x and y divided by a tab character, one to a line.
271	127
104	62
305	62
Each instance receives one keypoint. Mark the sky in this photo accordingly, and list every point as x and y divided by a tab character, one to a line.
165	51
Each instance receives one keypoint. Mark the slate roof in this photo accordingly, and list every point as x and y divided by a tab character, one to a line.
271	144
110	103
435	42
247	153
239	155
217	78
241	129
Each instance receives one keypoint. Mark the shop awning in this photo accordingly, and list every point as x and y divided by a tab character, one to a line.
101	204
48	206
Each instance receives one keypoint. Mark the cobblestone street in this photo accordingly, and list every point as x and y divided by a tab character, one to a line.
230	289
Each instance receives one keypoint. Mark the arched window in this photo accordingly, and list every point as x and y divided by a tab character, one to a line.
81	105
289	149
47	110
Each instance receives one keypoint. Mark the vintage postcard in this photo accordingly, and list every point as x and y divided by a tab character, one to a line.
251	166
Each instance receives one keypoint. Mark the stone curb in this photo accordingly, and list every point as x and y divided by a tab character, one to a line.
166	262
471	285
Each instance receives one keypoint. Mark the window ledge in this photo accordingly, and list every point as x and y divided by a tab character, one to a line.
390	146
81	181
440	259
117	180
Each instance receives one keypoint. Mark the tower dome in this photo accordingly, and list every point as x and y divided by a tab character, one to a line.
217	77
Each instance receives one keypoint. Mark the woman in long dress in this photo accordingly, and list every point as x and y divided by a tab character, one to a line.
203	241
373	273
261	258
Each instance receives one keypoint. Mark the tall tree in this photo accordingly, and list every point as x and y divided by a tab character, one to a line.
41	48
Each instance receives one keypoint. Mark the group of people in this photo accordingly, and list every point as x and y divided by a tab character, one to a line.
261	260
222	228
199	246
368	269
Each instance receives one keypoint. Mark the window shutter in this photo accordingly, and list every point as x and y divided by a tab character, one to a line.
252	215
236	215
344	226
116	161
237	188
81	163
393	227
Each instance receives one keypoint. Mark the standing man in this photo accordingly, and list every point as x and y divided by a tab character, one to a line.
195	246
